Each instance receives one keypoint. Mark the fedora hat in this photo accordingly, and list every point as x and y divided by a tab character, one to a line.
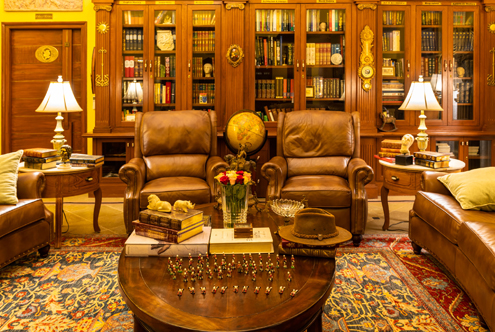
314	227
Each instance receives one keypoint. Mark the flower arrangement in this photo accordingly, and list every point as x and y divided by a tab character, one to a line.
235	192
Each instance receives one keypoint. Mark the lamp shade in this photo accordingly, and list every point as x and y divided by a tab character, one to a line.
135	92
59	98
420	97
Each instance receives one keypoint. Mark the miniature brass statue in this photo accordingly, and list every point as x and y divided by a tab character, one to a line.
183	205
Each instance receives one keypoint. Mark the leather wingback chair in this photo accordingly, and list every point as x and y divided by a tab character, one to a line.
175	158
318	157
28	225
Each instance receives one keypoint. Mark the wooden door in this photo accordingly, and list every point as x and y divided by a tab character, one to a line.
26	77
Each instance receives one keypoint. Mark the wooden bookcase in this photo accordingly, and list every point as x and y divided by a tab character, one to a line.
421	31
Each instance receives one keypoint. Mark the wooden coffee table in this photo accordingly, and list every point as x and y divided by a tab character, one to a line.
151	294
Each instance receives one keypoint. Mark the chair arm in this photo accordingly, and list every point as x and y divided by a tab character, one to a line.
30	185
359	174
134	175
214	166
430	183
275	171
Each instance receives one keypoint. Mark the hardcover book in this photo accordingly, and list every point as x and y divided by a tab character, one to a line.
40	160
222	241
48	165
40	152
431	164
141	246
433	156
174	220
167	234
85	158
313	252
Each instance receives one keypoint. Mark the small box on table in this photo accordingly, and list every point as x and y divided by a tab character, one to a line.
243	231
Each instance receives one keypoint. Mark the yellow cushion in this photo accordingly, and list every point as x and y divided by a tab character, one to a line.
9	165
474	190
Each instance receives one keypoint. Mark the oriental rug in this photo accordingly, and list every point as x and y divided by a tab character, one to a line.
380	286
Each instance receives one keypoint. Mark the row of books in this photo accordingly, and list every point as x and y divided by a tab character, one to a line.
467	64
432	159
431	40
271	113
463	18
133	39
204	41
431	65
133	17
133	66
164	93
391	41
202	17
393	18
275	20
465	92
129	114
86	160
198	66
165	65
398	65
392	90
431	18
165	17
463	40
326	87
270	51
203	93
320	53
278	88
334	20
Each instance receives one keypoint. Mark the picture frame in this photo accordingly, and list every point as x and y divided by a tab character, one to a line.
388	71
310	92
234	55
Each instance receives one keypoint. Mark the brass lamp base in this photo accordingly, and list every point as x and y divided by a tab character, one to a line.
64	166
59	139
422	139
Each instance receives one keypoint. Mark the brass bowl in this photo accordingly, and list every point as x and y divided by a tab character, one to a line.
286	208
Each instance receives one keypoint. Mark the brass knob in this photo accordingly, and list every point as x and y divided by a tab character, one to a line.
394	178
89	179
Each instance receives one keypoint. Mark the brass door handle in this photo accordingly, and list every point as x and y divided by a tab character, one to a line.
150	66
189	65
89	179
408	65
395	178
145	65
302	62
445	65
297	65
450	65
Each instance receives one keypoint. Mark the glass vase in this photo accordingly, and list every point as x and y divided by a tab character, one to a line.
234	204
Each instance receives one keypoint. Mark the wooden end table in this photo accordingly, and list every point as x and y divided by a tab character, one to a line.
151	294
60	183
407	180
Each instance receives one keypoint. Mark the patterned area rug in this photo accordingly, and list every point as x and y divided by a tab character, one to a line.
380	286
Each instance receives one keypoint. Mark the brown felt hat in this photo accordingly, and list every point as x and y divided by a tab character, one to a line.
314	227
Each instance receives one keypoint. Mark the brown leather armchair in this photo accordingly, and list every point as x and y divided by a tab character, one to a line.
26	226
175	158
318	157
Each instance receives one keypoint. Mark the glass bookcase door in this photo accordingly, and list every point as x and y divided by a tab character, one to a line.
479	153
463	83
203	58
394	67
448	146
164	60
276	60
132	46
433	58
324	58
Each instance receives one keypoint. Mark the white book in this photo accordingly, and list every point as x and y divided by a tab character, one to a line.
141	246
222	241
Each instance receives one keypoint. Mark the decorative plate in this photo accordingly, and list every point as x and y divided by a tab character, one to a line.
336	59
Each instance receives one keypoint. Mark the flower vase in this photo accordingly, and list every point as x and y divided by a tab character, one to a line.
234	204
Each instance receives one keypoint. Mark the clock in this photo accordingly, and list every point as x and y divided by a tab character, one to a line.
367	71
336	59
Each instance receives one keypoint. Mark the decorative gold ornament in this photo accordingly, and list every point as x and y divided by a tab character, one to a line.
229	6
490	80
363	6
103	27
102	80
366	69
489	9
491	27
234	55
108	8
46	53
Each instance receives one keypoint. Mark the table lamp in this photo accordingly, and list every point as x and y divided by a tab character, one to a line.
59	99
421	98
134	93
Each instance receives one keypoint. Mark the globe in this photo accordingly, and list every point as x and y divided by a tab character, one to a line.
247	128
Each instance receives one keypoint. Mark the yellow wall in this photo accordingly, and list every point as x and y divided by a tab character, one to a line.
87	15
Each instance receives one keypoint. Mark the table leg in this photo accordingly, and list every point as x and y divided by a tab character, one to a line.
386	212
98	195
59	216
317	325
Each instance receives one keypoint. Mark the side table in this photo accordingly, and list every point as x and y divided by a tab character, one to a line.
407	180
74	181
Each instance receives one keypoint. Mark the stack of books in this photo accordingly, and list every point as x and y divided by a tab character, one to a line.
40	158
390	148
86	160
223	241
173	227
474	150
432	159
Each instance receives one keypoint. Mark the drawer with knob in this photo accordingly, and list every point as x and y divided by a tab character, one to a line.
396	177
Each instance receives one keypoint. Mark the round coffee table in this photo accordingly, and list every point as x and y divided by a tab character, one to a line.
151	294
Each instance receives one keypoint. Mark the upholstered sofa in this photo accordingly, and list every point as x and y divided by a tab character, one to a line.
26	226
462	240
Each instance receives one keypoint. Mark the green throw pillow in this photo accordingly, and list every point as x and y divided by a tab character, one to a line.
9	165
474	190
